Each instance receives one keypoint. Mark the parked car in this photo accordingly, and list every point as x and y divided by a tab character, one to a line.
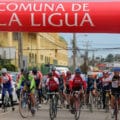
15	99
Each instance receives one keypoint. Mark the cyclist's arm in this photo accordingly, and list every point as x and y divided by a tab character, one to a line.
40	77
95	85
19	82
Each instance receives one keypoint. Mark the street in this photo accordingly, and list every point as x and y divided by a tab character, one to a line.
63	114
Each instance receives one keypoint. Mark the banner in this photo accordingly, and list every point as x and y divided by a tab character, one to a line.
85	17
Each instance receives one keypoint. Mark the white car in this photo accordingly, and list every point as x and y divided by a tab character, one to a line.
15	99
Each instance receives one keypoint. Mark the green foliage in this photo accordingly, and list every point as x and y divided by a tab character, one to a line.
10	67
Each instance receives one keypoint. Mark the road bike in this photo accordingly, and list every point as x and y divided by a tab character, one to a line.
77	105
6	101
99	99
53	104
25	104
107	100
116	109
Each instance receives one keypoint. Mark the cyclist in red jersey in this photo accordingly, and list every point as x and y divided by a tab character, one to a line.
76	84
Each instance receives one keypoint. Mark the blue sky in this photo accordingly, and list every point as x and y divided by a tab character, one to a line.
95	41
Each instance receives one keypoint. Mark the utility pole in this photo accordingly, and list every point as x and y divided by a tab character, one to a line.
74	51
93	59
87	44
20	50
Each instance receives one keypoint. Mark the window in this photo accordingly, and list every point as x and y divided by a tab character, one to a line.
32	35
30	57
56	52
41	57
35	58
15	35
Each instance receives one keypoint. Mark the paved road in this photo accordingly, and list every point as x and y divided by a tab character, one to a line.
43	114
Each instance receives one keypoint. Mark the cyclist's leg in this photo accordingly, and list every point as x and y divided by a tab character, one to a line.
87	97
40	95
9	89
3	95
103	98
112	103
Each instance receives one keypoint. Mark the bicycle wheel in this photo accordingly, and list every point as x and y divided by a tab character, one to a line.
91	102
5	103
99	102
116	111
55	99
24	106
107	104
51	109
77	108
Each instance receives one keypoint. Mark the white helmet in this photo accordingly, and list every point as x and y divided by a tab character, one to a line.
3	70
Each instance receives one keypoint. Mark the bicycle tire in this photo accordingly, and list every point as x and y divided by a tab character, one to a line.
77	108
5	103
99	102
107	104
116	111
91	102
51	110
23	101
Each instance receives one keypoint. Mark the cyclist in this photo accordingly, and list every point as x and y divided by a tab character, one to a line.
52	83
38	80
106	85
67	87
115	88
6	82
76	84
19	75
17	80
91	86
61	88
27	82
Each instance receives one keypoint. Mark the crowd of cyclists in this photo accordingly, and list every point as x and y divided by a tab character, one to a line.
63	83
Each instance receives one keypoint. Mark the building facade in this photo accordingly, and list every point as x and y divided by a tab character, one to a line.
37	48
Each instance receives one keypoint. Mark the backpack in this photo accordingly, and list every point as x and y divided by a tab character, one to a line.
77	81
52	85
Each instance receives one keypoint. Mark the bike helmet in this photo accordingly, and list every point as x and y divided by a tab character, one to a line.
53	68
78	71
50	74
25	72
34	70
3	70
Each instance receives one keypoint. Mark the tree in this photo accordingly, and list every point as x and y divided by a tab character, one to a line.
109	58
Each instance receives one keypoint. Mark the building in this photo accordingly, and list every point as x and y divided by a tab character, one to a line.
37	48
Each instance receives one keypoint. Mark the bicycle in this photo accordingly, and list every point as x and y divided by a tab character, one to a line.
107	100
117	97
90	101
6	101
53	105
25	105
77	105
99	99
36	99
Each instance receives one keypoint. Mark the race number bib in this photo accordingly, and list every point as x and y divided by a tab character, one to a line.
115	84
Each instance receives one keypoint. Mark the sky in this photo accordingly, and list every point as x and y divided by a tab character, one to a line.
95	41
